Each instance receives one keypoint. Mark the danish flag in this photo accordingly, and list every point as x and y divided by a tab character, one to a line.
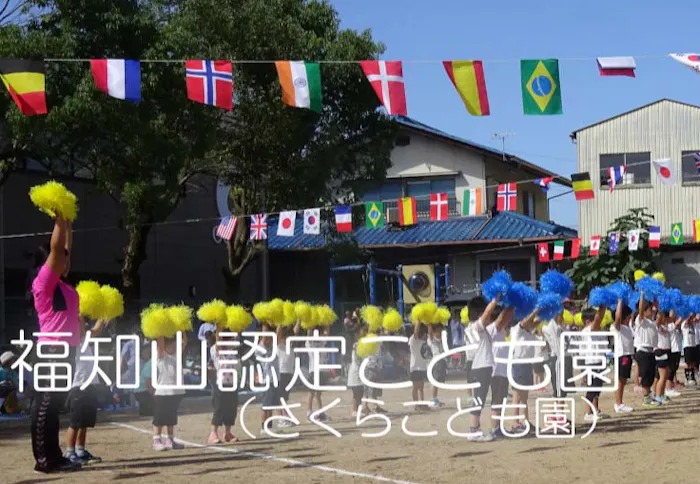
438	206
386	78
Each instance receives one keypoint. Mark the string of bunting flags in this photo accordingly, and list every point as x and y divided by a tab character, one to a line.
473	205
614	239
211	81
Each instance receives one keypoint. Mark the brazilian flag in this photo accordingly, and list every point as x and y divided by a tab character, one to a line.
677	233
374	215
541	87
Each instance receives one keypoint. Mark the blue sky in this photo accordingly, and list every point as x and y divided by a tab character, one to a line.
509	30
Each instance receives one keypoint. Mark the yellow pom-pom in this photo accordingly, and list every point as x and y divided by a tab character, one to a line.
313	320
91	300
113	302
639	274
213	312
607	319
578	319
568	317
290	316
371	315
659	276
155	322
364	348
263	312
302	311
54	199
181	316
277	312
464	315
237	319
326	315
441	316
392	321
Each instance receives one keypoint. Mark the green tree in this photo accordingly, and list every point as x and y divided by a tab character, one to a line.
145	155
590	271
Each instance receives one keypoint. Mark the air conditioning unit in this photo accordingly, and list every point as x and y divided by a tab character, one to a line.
392	215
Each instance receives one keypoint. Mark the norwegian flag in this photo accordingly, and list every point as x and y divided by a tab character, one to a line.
696	157
507	197
386	78
210	82
226	228
258	227
438	206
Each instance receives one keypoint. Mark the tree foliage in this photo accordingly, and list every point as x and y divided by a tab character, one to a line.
144	155
605	268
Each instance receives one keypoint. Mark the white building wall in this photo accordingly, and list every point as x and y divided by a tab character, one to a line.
427	156
665	129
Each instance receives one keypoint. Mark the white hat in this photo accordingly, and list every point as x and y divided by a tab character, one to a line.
6	357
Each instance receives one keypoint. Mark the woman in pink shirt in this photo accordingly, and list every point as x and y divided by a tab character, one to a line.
56	304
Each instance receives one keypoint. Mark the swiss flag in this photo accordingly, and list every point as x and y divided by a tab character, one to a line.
543	251
386	78
438	206
595	245
575	248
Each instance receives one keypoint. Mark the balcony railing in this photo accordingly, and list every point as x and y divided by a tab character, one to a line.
423	207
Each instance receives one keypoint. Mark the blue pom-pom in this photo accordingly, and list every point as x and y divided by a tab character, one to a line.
602	296
633	300
549	305
694	304
683	307
651	287
499	283
620	289
521	297
670	299
556	282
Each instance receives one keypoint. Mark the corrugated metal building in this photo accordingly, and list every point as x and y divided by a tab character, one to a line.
662	129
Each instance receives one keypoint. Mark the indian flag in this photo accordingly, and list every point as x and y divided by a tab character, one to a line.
471	204
301	84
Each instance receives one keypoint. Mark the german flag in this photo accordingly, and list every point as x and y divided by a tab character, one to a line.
583	188
26	82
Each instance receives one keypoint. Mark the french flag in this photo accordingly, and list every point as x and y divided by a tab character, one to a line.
616	66
343	218
118	78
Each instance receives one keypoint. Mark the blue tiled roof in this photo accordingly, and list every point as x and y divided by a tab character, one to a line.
505	226
511	225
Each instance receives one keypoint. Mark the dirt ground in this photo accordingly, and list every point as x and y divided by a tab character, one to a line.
645	446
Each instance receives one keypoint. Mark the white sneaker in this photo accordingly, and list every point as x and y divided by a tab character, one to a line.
673	393
285	423
602	415
690	383
589	417
481	437
622	408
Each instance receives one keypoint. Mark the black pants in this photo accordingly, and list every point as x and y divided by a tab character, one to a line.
559	378
145	400
597	383
225	407
46	422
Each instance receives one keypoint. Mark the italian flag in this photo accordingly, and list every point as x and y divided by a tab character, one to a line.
559	250
301	84
471	205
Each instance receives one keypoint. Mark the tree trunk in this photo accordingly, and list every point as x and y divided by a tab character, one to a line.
134	256
241	251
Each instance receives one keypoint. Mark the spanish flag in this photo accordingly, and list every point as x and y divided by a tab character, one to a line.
26	82
468	78
407	211
583	188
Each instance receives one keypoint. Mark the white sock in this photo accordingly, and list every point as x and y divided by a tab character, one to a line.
80	450
156	437
70	450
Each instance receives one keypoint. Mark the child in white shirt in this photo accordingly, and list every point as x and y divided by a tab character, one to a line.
689	350
166	400
420	356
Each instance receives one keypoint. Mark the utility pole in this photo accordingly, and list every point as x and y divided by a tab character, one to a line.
502	137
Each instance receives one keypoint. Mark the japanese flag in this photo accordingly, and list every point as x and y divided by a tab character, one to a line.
664	168
285	228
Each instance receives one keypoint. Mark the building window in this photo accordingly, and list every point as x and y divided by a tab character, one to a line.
519	269
638	167
528	202
690	173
